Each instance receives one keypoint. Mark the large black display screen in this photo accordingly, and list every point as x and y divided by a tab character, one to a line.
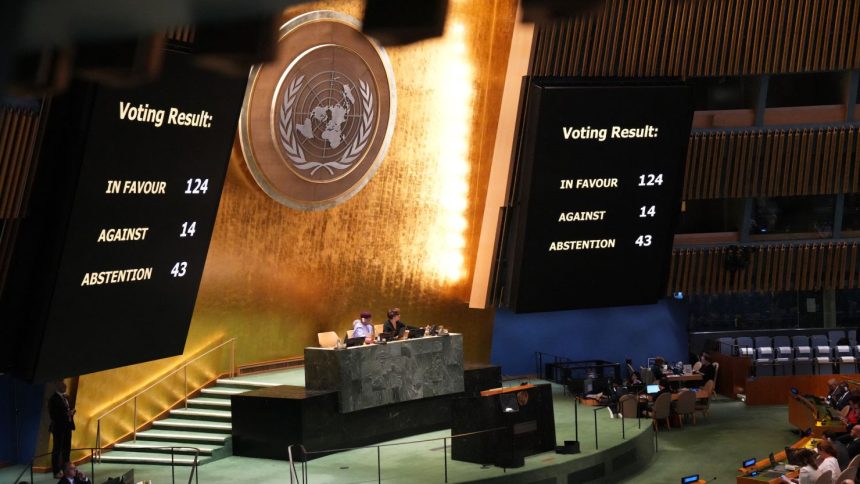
124	214
596	195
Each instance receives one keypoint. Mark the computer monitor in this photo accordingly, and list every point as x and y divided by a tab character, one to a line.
771	459
749	462
416	333
652	389
690	479
128	477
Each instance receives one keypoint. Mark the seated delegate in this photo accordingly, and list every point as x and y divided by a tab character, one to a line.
363	326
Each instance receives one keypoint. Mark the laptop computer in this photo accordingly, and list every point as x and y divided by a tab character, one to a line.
652	389
416	333
350	342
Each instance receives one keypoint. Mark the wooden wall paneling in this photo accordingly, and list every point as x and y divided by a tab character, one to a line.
588	45
854	43
7	128
617	35
839	263
656	41
825	144
768	283
792	159
790	261
853	140
817	266
668	32
729	35
690	168
779	270
728	168
757	163
738	163
850	255
844	183
21	160
838	34
761	263
793	180
807	268
709	269
686	259
711	27
813	141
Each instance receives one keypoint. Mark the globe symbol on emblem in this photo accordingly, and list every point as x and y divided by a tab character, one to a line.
327	108
326	121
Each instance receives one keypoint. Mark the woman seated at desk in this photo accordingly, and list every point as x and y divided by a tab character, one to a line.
809	472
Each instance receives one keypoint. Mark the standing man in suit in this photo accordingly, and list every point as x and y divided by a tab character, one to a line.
62	423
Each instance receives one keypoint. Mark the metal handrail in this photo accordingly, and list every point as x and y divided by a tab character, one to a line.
294	474
184	368
94	450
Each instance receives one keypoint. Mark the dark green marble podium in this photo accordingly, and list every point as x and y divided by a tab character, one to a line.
381	374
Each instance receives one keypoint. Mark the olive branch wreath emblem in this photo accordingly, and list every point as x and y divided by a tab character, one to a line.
294	149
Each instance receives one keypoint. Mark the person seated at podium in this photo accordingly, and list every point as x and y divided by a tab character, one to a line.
853	416
809	471
657	368
827	459
71	475
363	326
838	394
393	324
707	369
852	442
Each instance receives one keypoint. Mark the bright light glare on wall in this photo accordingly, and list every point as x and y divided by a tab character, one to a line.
454	99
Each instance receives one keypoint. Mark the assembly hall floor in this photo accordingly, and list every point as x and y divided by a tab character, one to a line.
714	448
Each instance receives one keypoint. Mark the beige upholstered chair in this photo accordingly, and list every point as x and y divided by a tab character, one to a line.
686	405
628	406
848	473
377	329
825	478
349	333
327	339
697	366
704	405
662	408
855	463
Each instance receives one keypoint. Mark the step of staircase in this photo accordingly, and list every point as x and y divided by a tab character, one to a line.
150	458
193	425
202	414
163	447
246	384
209	402
182	436
221	392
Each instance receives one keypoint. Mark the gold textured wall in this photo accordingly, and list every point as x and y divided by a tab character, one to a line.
275	277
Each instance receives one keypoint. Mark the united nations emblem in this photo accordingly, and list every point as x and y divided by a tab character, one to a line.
316	122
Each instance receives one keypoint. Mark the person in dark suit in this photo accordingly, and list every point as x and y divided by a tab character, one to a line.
853	445
393	324
62	416
71	475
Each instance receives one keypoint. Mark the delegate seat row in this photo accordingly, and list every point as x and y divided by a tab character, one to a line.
836	352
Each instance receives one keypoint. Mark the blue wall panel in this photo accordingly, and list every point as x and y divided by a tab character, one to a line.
610	334
20	412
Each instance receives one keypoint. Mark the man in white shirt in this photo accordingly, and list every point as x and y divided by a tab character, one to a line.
362	327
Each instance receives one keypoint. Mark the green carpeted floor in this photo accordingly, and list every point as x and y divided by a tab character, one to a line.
717	447
713	448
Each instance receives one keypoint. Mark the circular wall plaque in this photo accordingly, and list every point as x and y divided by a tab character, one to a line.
317	121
